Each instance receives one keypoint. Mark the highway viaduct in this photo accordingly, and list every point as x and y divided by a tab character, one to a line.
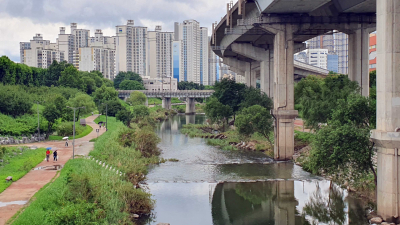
166	96
270	32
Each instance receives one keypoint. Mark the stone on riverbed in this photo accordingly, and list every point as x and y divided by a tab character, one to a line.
376	220
163	224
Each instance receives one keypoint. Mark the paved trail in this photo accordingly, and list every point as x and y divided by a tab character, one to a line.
18	194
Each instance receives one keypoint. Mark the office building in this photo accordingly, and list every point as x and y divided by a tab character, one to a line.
342	50
333	63
157	84
176	58
314	57
131	48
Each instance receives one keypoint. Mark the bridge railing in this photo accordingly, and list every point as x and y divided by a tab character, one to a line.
178	93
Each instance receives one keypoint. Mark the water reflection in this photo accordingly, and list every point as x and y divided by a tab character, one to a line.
188	192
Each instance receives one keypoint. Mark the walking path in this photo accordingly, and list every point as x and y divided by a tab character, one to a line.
18	193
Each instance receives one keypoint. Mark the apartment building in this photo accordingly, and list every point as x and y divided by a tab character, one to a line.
314	57
372	52
131	48
40	53
194	51
342	50
213	65
160	53
99	56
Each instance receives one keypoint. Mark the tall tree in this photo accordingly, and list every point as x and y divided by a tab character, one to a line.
230	93
71	77
131	85
136	98
126	76
82	100
254	119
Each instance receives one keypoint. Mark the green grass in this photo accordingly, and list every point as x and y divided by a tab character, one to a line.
19	164
64	201
303	137
88	130
156	101
180	108
175	100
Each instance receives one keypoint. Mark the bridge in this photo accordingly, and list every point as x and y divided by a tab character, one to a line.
166	96
270	32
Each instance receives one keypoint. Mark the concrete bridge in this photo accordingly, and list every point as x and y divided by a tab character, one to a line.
166	96
270	32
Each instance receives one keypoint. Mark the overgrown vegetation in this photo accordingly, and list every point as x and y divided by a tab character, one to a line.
342	120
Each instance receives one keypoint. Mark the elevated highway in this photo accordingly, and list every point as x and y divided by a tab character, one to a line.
269	32
166	96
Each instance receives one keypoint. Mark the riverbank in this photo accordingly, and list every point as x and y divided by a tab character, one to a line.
229	139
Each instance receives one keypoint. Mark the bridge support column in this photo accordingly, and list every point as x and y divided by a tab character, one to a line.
190	106
146	103
267	77
359	58
283	111
250	76
385	137
166	103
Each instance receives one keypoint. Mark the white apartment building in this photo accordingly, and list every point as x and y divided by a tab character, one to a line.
204	46
160	53
188	32
40	53
194	52
131	48
99	56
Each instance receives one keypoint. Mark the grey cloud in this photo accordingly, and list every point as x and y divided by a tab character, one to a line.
106	13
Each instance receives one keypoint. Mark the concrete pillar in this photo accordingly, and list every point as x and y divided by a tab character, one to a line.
267	77
190	106
253	78
247	76
283	111
359	59
385	138
166	103
146	103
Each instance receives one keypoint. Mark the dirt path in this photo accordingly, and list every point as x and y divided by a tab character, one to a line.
18	194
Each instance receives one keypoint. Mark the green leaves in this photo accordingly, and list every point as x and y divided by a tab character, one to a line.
254	119
136	98
131	85
122	76
217	111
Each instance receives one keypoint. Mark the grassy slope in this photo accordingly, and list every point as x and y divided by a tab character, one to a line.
19	164
50	200
111	192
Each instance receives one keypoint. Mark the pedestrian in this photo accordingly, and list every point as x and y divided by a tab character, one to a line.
92	113
47	155
66	143
100	125
55	155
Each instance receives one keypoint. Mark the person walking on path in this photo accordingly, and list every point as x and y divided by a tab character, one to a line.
47	155
55	155
66	143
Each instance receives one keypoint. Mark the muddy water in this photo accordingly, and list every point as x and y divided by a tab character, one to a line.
210	186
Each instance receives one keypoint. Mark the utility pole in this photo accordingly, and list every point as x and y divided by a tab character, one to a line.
73	141
106	114
38	118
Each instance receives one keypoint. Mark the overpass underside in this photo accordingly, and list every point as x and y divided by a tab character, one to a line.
269	32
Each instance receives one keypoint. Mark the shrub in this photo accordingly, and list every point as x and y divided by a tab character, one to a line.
67	128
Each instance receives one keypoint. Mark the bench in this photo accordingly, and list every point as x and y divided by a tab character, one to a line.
9	178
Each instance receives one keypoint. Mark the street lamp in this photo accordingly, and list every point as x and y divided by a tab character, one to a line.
73	141
38	118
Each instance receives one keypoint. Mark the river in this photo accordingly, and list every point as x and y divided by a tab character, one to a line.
210	186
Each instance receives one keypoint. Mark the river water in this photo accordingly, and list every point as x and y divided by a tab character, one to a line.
210	186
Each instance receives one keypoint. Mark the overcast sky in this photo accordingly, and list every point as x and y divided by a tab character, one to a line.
20	20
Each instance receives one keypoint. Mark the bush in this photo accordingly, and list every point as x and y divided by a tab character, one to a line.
23	125
67	128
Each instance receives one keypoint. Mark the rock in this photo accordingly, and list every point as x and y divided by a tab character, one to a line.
377	220
384	223
135	216
163	224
